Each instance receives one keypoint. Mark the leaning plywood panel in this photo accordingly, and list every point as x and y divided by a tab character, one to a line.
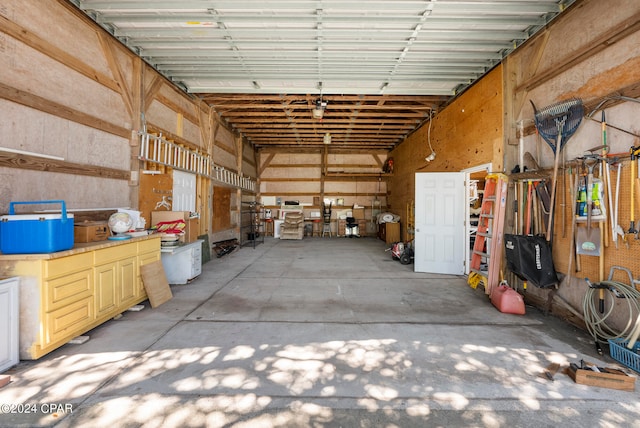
155	283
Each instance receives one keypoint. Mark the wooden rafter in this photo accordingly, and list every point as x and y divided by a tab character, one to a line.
360	122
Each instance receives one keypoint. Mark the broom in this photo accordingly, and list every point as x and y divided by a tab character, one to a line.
556	124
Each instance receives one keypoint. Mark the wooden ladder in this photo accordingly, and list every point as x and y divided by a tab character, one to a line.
490	232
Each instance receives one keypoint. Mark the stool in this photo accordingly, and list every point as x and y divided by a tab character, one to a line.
326	228
316	228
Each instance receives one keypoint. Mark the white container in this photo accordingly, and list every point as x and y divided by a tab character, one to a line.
182	263
276	228
9	328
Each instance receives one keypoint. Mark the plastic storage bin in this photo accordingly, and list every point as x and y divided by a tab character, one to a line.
629	357
36	233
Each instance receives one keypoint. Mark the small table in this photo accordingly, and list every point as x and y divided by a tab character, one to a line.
268	226
316	227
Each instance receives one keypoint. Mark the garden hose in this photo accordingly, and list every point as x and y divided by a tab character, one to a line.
596	317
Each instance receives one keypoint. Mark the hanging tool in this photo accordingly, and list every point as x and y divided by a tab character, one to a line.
557	123
635	154
604	165
527	230
616	229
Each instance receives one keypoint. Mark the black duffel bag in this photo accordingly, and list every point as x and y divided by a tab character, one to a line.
530	258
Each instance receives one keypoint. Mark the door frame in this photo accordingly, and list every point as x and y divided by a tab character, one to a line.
460	197
467	215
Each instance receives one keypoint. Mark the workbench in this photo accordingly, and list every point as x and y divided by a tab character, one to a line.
67	293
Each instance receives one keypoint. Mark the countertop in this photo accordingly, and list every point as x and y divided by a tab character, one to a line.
77	249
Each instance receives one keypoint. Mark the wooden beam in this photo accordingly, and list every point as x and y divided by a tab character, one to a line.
604	41
25	36
35	163
265	164
116	70
33	101
152	91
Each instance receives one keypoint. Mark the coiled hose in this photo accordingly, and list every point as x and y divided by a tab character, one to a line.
596	320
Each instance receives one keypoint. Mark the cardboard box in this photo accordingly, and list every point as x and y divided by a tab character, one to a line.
192	225
91	231
358	213
612	378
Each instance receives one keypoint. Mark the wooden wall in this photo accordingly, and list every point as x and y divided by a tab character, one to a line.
74	111
327	173
466	133
592	52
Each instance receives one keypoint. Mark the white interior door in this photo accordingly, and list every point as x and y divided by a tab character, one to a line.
184	191
440	222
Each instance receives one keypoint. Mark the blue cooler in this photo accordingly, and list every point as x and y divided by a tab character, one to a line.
36	233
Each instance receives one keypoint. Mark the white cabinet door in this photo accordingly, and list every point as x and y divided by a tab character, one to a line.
9	315
439	223
184	191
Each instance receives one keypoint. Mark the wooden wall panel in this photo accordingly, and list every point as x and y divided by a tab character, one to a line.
71	90
221	209
153	188
592	53
467	133
224	158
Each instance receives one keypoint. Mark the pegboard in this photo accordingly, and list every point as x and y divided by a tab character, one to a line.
620	256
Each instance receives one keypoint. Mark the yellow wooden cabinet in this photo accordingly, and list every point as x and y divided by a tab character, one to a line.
65	294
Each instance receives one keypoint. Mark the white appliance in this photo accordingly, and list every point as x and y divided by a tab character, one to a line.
182	262
9	316
276	228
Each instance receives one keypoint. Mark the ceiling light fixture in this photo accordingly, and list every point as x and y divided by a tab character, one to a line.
318	111
327	138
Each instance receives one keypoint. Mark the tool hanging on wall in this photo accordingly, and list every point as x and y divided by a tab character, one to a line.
635	155
556	124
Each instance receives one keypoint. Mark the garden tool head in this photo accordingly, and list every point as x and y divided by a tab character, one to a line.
561	118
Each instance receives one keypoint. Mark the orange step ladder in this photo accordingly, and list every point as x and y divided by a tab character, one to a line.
488	243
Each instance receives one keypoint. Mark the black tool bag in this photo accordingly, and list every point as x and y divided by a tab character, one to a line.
530	258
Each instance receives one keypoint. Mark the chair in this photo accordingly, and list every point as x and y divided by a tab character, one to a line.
293	226
351	228
326	220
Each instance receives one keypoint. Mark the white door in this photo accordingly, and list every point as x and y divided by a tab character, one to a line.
184	191
439	222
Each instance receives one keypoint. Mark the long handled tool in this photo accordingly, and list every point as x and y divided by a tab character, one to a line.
557	123
635	154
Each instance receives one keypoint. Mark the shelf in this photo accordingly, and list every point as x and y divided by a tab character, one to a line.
250	233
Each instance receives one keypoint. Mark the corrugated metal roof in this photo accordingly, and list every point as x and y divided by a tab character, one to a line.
293	48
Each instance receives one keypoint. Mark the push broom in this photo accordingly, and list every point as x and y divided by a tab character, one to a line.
556	124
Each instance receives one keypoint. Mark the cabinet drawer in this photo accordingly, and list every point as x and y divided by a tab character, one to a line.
67	322
149	245
61	291
118	252
65	265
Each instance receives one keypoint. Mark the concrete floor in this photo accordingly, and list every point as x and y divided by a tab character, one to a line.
318	333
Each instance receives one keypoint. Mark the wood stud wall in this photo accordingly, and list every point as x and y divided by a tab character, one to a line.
96	136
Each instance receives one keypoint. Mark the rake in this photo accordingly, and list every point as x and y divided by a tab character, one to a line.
556	124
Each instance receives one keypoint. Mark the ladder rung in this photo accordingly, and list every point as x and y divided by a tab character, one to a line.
491	198
486	235
486	215
481	253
